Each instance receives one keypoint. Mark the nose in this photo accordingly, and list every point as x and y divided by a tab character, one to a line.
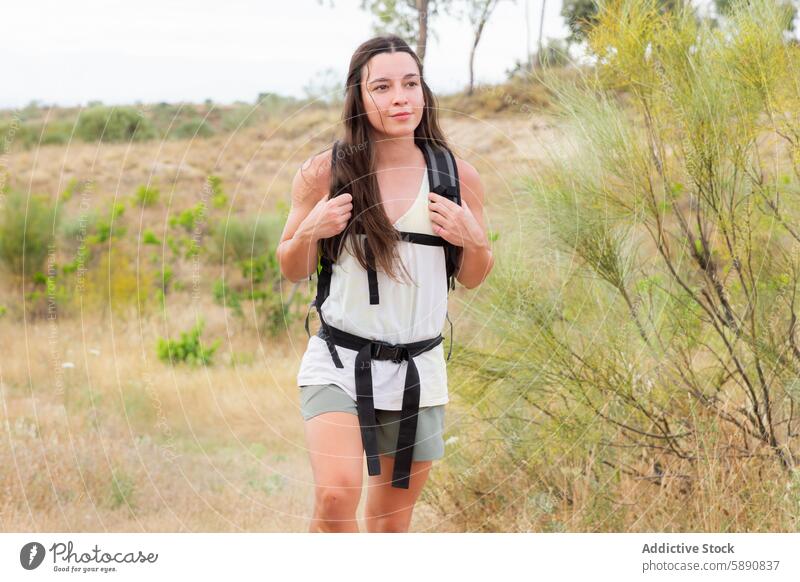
400	95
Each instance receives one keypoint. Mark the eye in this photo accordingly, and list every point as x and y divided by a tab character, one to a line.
379	87
413	83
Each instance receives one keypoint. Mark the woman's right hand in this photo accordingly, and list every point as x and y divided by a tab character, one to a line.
330	216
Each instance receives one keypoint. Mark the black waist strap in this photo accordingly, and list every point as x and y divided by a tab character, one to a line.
369	350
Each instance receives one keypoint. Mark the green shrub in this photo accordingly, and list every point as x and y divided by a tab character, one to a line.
218	197
245	239
197	127
56	133
626	357
27	225
188	349
189	217
73	185
113	124
147	195
149	238
103	228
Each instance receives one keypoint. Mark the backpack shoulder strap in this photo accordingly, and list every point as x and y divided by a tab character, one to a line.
443	180
442	171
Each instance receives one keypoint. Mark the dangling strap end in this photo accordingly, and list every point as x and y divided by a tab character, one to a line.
450	351
308	313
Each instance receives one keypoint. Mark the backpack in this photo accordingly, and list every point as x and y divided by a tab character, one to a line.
442	180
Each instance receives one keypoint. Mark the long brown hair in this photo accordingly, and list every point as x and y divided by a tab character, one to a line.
354	169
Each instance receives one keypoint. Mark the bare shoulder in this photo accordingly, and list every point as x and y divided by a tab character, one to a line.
312	180
470	181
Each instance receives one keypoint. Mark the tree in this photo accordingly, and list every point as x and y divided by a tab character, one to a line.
581	16
408	19
478	13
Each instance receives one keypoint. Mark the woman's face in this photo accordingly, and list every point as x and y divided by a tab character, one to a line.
391	85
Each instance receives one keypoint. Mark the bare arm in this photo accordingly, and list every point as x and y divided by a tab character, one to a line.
464	226
477	260
312	217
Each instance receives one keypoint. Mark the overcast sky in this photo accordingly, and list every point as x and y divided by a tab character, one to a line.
68	52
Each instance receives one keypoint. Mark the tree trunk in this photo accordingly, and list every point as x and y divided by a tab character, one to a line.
422	39
487	9
472	70
541	30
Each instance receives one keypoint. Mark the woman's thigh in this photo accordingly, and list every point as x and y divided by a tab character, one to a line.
333	437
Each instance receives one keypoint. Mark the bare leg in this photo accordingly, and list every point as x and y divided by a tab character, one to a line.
334	445
389	508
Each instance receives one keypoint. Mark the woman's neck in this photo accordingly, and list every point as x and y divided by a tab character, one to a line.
395	151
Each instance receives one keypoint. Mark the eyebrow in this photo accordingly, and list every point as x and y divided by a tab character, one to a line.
386	79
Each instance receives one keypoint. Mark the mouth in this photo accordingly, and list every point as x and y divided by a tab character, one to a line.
404	115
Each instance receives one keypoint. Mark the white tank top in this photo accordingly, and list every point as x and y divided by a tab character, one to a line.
408	312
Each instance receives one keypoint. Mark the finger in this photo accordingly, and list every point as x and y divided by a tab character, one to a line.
439	208
439	220
442	201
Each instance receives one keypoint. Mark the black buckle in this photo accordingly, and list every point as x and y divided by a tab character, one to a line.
384	351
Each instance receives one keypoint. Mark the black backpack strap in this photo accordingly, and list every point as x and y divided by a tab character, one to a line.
422	239
443	180
372	274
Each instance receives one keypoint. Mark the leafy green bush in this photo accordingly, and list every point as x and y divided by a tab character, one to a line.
149	238
73	185
26	227
56	132
193	128
188	218
147	195
188	349
105	228
244	239
218	197
113	124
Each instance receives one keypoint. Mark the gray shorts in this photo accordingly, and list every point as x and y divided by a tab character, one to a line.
318	398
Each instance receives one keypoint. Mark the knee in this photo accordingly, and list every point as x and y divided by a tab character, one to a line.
337	501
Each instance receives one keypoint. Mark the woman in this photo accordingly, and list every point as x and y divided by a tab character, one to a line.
375	185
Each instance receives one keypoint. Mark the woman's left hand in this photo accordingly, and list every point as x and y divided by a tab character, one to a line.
455	224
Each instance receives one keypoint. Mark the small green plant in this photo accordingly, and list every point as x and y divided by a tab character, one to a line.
188	349
218	197
189	217
147	196
72	186
149	238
